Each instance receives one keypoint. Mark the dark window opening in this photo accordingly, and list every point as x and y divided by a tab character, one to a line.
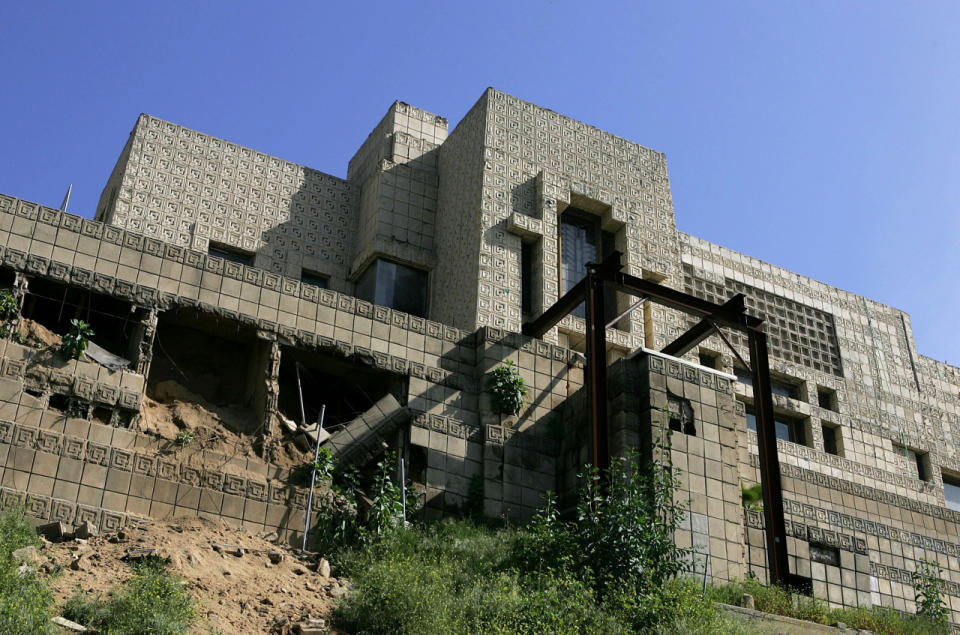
743	375
709	360
316	279
526	278
681	415
826	398
824	554
218	250
583	241
831	444
951	490
53	305
347	389
784	388
918	459
102	415
393	285
787	428
68	406
213	362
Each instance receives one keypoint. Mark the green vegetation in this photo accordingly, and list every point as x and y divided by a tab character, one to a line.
184	438
929	587
358	510
771	599
9	306
507	389
323	467
75	342
25	599
615	570
151	603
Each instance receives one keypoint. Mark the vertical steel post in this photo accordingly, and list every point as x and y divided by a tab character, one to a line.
596	378
313	478
777	562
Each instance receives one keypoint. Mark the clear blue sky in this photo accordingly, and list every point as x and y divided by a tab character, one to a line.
820	136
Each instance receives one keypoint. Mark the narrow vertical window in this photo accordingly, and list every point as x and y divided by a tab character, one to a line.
830	444
578	246
526	278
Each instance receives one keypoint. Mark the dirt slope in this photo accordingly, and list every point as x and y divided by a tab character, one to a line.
264	590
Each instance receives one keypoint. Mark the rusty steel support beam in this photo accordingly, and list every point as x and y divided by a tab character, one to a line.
596	371
733	314
775	527
560	309
730	311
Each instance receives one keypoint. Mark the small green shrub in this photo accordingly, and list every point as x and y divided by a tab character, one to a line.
507	389
9	306
323	467
151	602
75	342
928	590
184	438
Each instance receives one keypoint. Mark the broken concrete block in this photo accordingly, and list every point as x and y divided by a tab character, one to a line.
287	424
324	568
63	622
86	530
311	627
233	550
276	557
311	433
140	554
55	531
26	555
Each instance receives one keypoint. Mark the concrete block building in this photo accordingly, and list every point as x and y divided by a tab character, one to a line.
392	293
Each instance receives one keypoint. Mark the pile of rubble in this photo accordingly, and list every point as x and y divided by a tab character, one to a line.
242	583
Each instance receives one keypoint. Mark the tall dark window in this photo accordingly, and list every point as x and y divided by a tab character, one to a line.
526	278
830	445
394	285
582	241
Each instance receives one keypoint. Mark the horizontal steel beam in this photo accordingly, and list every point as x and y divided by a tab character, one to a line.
570	300
732	308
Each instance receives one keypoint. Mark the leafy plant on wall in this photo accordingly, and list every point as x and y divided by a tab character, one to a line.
75	342
507	389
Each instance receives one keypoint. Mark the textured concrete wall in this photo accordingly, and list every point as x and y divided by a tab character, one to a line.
188	189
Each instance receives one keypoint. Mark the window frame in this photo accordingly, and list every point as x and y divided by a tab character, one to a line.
374	269
230	253
605	244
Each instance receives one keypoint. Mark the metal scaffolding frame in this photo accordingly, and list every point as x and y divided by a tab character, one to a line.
731	314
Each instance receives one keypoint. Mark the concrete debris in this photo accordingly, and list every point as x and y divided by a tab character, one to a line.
287	424
78	563
140	554
311	433
63	622
276	557
26	555
55	531
311	627
233	550
324	568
